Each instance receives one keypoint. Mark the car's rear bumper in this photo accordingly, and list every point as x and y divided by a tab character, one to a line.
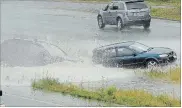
139	22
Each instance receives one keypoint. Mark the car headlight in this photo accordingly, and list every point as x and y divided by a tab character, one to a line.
163	55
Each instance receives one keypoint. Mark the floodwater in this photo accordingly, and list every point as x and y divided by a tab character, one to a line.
77	33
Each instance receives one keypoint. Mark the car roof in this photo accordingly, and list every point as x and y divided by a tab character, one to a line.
121	44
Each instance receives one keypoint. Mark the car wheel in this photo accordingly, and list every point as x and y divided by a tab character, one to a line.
120	24
100	22
146	25
151	64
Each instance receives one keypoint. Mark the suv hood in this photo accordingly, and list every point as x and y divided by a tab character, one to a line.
160	50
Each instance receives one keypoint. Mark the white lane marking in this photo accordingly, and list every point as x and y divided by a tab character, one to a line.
40	101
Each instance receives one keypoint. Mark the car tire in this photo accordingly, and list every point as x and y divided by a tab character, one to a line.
151	64
100	22
120	24
146	25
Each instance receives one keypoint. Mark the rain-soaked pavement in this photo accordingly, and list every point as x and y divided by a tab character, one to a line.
76	32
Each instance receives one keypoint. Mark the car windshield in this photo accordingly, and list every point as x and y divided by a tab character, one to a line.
139	47
135	5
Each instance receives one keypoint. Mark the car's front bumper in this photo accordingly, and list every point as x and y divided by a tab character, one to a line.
166	61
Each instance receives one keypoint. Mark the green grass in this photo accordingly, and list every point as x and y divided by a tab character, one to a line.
173	74
164	2
171	13
109	95
167	13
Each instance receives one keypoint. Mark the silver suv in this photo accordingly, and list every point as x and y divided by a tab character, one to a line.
125	13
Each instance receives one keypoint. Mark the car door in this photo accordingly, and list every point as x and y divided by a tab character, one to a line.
118	8
114	12
125	56
107	14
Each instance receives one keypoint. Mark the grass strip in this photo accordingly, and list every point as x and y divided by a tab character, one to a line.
167	13
173	74
110	94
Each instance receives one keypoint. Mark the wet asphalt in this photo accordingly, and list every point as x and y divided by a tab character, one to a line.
73	27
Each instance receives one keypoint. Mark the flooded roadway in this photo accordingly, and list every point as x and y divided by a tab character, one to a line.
77	33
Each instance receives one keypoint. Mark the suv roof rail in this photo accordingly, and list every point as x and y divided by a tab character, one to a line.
130	0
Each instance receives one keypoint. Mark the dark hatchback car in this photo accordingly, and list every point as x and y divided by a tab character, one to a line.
132	53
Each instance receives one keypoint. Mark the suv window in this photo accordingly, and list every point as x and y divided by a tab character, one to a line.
110	52
124	52
135	5
120	6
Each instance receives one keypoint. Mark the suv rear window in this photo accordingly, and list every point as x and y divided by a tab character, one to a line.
135	5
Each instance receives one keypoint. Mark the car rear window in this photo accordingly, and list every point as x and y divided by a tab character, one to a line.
135	5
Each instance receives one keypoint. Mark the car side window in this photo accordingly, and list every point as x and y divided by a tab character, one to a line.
124	52
110	52
116	5
119	5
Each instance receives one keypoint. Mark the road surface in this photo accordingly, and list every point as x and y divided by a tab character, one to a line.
69	26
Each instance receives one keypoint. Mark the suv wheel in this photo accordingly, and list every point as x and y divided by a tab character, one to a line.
100	22
146	25
120	24
151	64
